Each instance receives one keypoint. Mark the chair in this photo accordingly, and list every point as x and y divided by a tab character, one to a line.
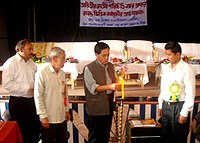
190	49
160	47
116	48
141	49
84	52
67	46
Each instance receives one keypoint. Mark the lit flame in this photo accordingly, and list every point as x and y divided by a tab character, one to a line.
120	78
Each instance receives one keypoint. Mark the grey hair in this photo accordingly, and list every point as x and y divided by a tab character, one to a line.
55	52
21	44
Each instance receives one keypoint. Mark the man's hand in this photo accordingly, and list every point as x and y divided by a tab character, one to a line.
45	122
182	119
159	112
30	92
116	86
67	116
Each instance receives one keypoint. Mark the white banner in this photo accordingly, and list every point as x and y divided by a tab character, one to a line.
113	13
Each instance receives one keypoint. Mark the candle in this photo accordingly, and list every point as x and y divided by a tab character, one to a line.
127	54
122	86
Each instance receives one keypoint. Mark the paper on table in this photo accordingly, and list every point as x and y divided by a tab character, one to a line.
143	123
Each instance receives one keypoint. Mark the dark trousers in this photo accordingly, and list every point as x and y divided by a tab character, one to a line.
99	128
173	131
56	133
23	111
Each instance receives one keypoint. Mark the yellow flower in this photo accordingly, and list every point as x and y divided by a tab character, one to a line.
175	88
174	98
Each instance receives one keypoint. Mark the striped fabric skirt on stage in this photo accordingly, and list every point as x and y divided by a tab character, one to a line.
144	109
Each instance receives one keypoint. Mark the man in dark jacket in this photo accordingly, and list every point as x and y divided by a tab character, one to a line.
99	86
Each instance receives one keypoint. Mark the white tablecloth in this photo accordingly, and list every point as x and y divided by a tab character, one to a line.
138	69
71	68
77	68
196	68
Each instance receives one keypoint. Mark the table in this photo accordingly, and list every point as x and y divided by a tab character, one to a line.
10	132
72	69
141	70
145	134
196	68
151	67
77	68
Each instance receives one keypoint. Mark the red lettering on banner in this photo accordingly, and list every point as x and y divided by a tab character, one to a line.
131	5
88	4
109	13
114	14
141	4
99	6
92	5
105	5
117	5
99	13
133	13
113	5
127	13
87	13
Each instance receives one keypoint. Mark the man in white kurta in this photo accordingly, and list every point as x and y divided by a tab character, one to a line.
51	98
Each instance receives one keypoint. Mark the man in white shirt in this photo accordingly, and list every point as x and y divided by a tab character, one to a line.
51	98
177	95
18	78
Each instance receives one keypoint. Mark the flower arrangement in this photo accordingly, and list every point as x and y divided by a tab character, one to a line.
175	92
40	55
120	70
185	58
39	60
71	60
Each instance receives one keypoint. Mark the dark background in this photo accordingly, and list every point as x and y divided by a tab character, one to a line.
58	21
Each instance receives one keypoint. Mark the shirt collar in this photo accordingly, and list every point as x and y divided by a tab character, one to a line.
101	64
52	69
178	65
19	58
